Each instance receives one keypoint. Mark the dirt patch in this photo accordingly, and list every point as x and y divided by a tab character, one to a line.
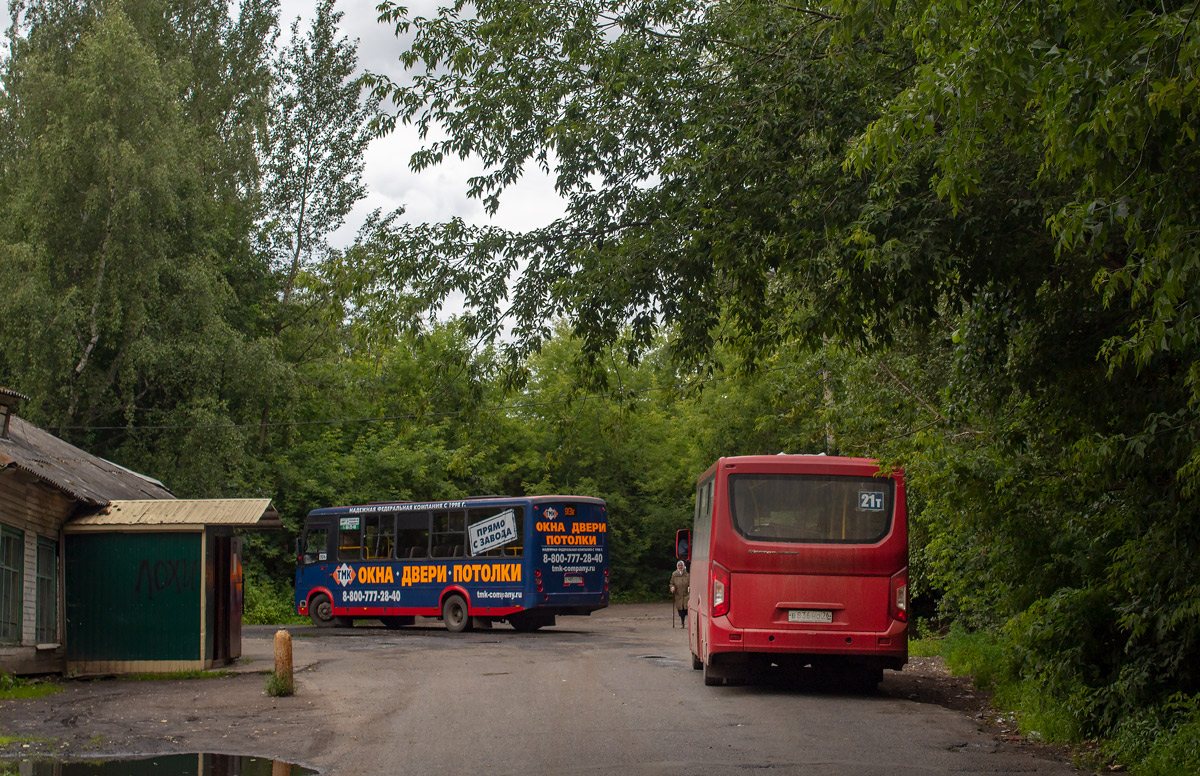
927	680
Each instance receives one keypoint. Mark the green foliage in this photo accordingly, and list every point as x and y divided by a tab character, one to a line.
175	676
958	238
278	687
1160	741
268	601
18	687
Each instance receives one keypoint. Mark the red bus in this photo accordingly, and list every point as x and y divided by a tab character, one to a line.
798	560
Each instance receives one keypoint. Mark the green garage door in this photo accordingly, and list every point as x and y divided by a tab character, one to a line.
133	596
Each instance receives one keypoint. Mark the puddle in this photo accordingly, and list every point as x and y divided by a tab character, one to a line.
164	765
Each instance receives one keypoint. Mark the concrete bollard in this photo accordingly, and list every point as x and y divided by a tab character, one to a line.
283	662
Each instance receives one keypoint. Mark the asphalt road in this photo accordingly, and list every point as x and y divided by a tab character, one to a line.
611	693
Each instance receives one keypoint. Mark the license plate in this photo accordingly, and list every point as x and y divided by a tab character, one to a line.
810	615
573	579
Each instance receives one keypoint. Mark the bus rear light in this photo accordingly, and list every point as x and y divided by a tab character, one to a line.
900	597
720	591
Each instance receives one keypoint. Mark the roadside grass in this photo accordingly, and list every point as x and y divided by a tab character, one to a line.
926	647
18	687
279	687
197	674
9	740
1159	741
1164	741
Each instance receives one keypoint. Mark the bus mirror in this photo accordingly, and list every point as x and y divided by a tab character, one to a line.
683	544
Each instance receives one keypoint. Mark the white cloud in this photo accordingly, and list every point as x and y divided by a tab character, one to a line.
436	194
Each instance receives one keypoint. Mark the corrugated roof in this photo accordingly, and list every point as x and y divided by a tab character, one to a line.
232	512
81	475
8	395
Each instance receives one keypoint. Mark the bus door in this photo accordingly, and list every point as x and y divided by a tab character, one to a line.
313	565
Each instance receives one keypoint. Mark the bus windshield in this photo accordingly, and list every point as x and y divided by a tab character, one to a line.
811	508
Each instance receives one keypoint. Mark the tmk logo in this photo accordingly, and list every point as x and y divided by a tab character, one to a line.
551	513
344	575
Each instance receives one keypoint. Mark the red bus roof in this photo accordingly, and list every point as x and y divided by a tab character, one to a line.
814	464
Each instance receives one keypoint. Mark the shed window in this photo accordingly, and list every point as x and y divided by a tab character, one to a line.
47	591
12	565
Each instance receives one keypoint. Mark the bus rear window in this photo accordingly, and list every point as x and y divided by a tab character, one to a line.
811	508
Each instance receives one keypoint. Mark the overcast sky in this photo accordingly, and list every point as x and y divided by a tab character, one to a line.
436	194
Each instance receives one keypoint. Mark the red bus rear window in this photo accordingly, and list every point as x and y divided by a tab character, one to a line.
811	508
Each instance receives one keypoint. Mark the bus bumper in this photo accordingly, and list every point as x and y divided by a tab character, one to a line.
888	649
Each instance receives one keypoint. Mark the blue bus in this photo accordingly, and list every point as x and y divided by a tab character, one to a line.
470	562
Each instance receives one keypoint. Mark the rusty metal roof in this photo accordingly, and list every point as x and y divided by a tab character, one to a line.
183	513
9	396
81	475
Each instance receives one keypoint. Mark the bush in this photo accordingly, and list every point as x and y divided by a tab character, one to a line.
18	687
268	602
982	654
280	688
1163	741
1160	741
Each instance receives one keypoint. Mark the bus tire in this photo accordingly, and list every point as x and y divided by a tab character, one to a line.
397	621
524	624
320	611
866	680
455	614
711	677
697	663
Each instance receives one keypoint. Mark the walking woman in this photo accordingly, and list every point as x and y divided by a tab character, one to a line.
679	589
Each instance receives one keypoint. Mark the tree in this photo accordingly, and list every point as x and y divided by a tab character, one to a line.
999	198
128	235
698	145
315	146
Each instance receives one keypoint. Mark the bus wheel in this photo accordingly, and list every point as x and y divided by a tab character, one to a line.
320	609
864	680
454	613
397	621
711	677
697	663
524	624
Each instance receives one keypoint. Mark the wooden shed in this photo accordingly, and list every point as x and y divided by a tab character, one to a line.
74	527
156	585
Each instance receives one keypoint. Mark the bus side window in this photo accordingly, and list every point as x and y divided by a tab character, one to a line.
449	534
316	545
511	550
350	543
412	535
379	534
